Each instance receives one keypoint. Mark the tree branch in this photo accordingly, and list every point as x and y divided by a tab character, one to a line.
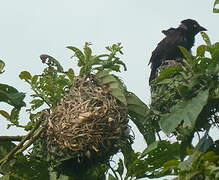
31	141
11	138
20	145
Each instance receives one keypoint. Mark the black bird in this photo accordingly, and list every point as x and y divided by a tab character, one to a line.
168	48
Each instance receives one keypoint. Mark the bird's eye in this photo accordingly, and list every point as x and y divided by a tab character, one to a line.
195	25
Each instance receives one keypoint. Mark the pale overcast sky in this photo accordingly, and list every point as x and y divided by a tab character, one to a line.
30	28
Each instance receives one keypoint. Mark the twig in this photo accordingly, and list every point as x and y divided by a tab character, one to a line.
114	172
37	93
30	141
158	135
11	138
28	136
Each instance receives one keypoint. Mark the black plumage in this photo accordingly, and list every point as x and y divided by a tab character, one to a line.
168	31
168	48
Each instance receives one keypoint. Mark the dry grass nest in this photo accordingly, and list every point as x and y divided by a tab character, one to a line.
88	120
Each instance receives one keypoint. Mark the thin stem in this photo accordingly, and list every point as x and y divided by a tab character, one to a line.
37	93
44	99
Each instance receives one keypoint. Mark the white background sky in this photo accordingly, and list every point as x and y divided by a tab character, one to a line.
30	28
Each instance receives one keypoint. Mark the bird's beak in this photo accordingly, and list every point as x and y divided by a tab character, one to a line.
202	28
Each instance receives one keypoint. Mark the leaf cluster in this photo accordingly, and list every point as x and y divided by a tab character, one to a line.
89	62
12	97
193	88
184	102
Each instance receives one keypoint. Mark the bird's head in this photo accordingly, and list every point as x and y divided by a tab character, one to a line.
192	26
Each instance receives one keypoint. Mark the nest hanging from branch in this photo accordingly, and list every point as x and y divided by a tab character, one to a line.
89	121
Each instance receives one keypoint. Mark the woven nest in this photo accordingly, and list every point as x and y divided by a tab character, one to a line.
88	121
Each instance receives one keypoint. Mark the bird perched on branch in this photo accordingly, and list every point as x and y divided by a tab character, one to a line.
168	48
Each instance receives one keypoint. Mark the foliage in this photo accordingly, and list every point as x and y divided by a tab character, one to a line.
189	104
186	111
12	97
89	62
149	165
142	117
185	102
216	10
48	88
193	89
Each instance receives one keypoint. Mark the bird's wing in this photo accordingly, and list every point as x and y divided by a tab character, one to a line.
167	48
168	31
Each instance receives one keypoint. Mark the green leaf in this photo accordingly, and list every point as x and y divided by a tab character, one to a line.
152	164
51	61
121	63
205	143
71	74
139	113
114	84
200	52
171	163
28	168
115	68
186	111
10	95
206	39
111	62
119	94
34	79
150	148
185	53
87	52
4	114
14	116
216	2
36	103
136	105
185	144
5	148
120	168
215	54
25	75
167	74
90	63
101	74
215	51
2	65
111	177
85	70
216	10
78	54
